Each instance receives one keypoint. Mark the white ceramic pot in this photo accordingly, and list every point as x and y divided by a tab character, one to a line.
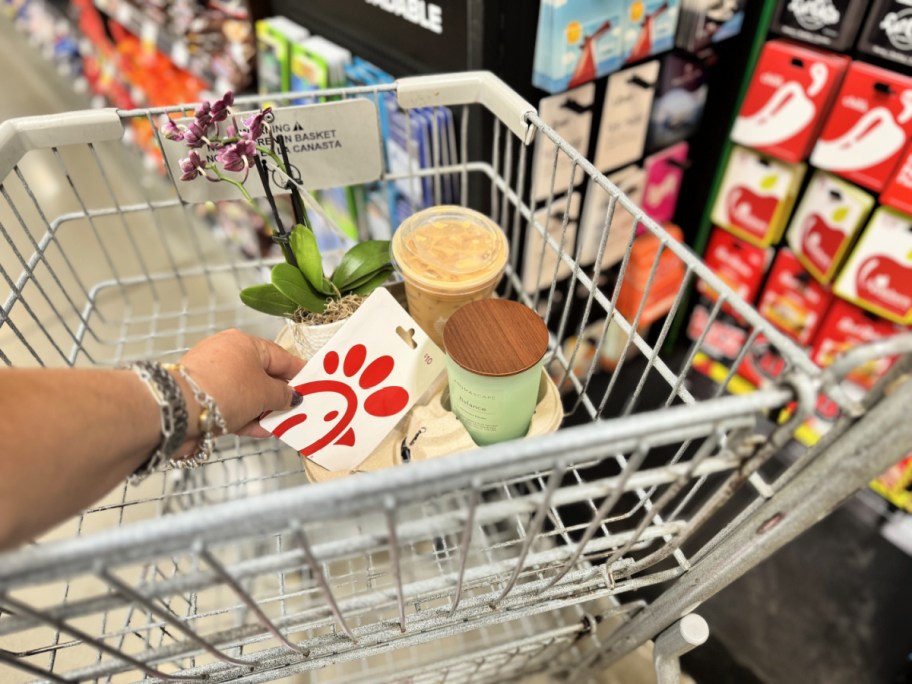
309	339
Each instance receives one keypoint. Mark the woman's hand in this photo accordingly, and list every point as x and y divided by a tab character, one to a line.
245	375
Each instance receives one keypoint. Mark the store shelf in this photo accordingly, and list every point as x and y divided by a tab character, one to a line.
151	33
154	35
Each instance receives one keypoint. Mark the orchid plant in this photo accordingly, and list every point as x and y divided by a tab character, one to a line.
299	288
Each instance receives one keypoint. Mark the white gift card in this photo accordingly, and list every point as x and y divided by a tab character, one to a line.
625	116
359	385
631	181
570	115
542	259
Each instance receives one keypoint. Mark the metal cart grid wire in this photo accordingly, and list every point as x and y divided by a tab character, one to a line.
523	557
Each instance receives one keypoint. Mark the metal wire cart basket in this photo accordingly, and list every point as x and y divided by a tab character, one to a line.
556	554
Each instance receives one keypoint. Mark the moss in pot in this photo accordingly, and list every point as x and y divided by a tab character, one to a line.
314	304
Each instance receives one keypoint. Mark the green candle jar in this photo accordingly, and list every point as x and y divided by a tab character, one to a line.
494	351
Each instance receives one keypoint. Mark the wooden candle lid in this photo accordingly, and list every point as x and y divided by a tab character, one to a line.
495	337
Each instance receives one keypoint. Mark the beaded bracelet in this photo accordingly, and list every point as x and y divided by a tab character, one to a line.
174	417
210	417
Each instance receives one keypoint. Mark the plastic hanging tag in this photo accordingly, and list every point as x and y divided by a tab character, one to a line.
333	144
359	385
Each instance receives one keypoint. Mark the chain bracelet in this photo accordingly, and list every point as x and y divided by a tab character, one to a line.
210	417
170	399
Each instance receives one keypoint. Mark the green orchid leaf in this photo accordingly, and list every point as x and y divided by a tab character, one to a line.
329	289
366	277
304	246
268	300
291	282
372	283
362	260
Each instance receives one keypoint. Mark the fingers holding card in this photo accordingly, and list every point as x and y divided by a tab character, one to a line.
358	387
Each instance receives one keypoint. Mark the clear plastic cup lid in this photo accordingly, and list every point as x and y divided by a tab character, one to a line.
450	248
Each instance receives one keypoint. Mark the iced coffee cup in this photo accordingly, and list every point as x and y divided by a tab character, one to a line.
448	256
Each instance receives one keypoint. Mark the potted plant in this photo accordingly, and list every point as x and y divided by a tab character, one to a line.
314	304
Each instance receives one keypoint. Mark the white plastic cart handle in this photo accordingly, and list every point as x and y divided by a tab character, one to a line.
469	87
19	136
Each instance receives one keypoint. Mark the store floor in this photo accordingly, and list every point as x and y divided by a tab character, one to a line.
33	87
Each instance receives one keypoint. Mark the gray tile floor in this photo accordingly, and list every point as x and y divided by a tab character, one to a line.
31	86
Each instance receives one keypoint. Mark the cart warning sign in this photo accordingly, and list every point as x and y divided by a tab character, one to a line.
329	145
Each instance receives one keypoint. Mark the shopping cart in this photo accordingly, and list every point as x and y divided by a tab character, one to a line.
520	558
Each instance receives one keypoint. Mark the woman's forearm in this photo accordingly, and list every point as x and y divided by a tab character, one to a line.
67	437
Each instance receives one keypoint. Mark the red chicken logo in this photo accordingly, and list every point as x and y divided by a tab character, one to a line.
339	399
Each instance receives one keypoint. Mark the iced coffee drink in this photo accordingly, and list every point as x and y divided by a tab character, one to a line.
448	256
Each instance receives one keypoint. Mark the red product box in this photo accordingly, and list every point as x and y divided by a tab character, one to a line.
784	109
845	327
723	339
792	300
868	126
898	193
763	364
740	264
667	276
878	274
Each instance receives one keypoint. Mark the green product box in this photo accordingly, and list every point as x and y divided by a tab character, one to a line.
275	36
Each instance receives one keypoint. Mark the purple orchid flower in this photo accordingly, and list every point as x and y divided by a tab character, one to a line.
195	135
232	129
255	124
172	131
238	156
220	107
192	166
203	115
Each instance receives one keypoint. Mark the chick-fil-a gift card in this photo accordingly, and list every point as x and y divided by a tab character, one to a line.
868	126
359	385
878	274
831	213
789	93
756	196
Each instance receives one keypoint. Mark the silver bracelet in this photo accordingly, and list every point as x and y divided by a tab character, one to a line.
210	417
170	399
